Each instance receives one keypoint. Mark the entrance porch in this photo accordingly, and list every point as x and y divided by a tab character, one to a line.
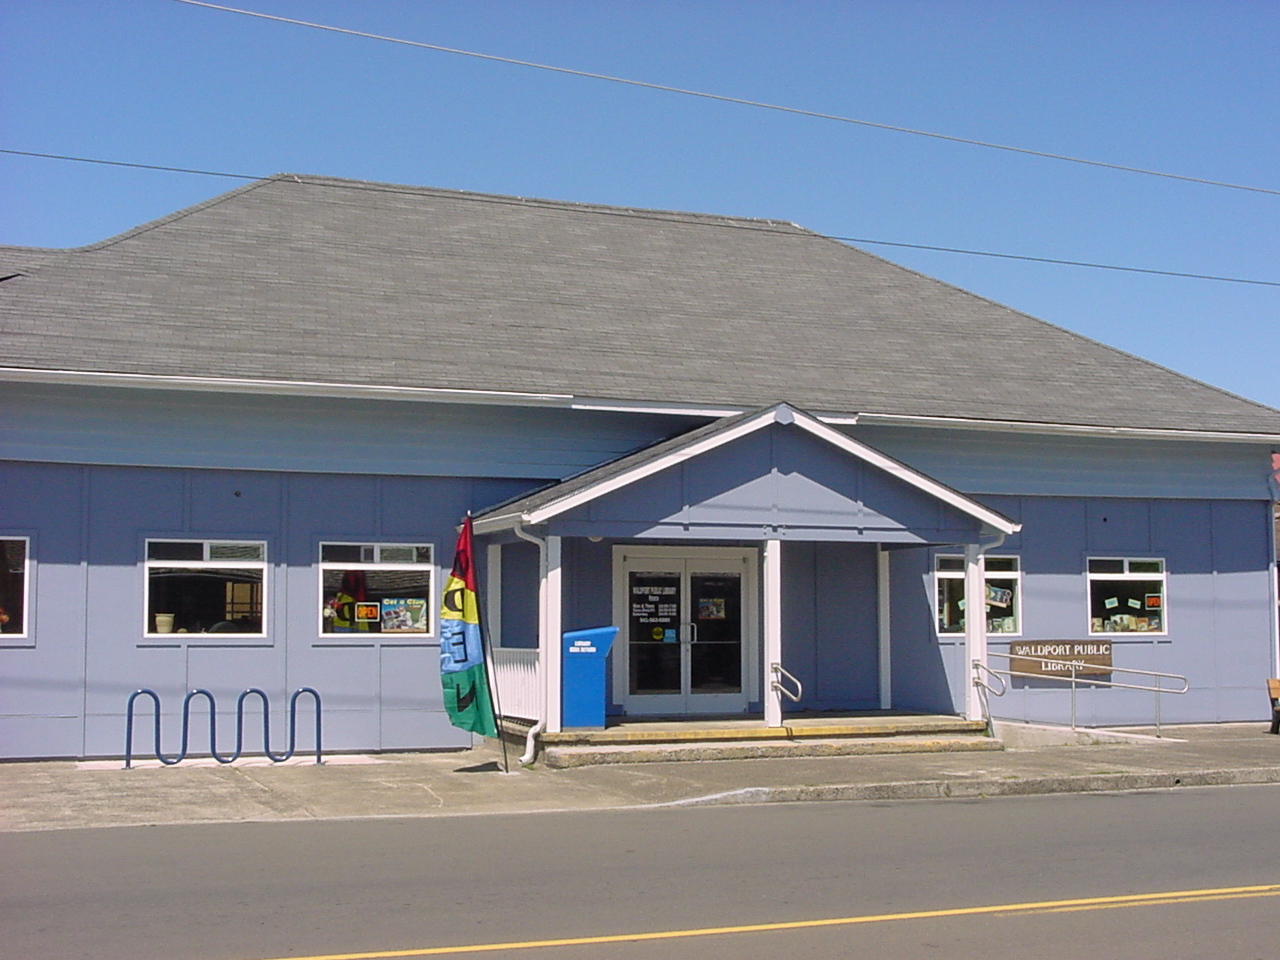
747	567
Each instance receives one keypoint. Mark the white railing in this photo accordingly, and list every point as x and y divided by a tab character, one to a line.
518	681
780	676
1076	672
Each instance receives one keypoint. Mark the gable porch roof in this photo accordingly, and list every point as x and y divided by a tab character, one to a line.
560	499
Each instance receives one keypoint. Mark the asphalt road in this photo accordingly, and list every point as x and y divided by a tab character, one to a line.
370	887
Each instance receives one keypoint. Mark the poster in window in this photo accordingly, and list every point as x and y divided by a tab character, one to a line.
655	607
404	615
711	608
998	596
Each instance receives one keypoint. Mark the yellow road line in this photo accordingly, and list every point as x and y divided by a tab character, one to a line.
1042	906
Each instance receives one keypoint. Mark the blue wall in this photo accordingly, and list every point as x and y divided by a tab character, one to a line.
64	690
1218	609
830	625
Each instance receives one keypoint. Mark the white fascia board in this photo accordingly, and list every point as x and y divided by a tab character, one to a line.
362	391
606	405
306	388
504	521
925	484
1055	429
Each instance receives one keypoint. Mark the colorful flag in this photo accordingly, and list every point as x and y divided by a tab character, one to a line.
462	668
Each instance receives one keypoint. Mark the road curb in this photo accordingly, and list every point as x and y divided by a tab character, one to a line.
976	787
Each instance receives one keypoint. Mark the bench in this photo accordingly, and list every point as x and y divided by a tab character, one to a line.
1273	691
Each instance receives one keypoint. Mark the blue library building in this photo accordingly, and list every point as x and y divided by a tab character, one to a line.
237	443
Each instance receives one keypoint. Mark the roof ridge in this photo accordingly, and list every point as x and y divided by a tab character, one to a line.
647	213
569	206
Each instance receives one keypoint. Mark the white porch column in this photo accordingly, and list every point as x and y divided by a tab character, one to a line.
493	595
882	621
975	625
550	599
772	630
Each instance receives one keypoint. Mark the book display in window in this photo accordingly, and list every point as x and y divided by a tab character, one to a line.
375	588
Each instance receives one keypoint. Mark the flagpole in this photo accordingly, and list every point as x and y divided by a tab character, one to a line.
489	672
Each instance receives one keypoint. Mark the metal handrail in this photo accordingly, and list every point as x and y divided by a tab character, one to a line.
979	680
1073	666
213	726
777	684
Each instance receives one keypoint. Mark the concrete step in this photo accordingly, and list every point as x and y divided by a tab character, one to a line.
723	731
563	755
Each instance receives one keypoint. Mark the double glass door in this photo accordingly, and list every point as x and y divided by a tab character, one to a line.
686	633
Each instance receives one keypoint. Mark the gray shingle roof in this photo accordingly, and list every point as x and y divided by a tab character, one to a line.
315	279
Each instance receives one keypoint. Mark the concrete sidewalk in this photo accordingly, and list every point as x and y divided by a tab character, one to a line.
50	795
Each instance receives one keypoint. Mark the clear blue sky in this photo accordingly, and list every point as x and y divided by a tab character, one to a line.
1184	87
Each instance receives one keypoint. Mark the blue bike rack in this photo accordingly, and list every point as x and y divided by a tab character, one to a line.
213	725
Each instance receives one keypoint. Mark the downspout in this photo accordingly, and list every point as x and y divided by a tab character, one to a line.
975	629
531	738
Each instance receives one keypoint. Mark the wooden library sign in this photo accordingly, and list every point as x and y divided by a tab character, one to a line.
1092	658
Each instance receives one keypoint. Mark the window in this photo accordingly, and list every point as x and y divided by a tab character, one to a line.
1004	596
1126	596
375	588
205	586
13	586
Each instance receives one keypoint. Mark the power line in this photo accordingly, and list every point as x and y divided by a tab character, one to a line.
634	215
815	114
1064	263
138	166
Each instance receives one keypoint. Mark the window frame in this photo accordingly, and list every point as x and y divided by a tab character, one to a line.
432	632
149	564
940	575
25	636
1127	576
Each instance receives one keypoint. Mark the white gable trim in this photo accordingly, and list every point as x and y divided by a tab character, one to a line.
781	414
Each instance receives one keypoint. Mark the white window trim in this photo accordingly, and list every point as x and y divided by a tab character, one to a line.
1015	574
24	638
1162	576
148	564
434	582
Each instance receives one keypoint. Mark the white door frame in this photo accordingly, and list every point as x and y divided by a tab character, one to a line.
718	559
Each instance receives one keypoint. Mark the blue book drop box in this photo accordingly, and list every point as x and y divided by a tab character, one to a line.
582	689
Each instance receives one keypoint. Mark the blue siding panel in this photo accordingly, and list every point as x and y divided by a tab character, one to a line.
845	628
980	461
41	675
520	565
830	634
926	674
104	425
